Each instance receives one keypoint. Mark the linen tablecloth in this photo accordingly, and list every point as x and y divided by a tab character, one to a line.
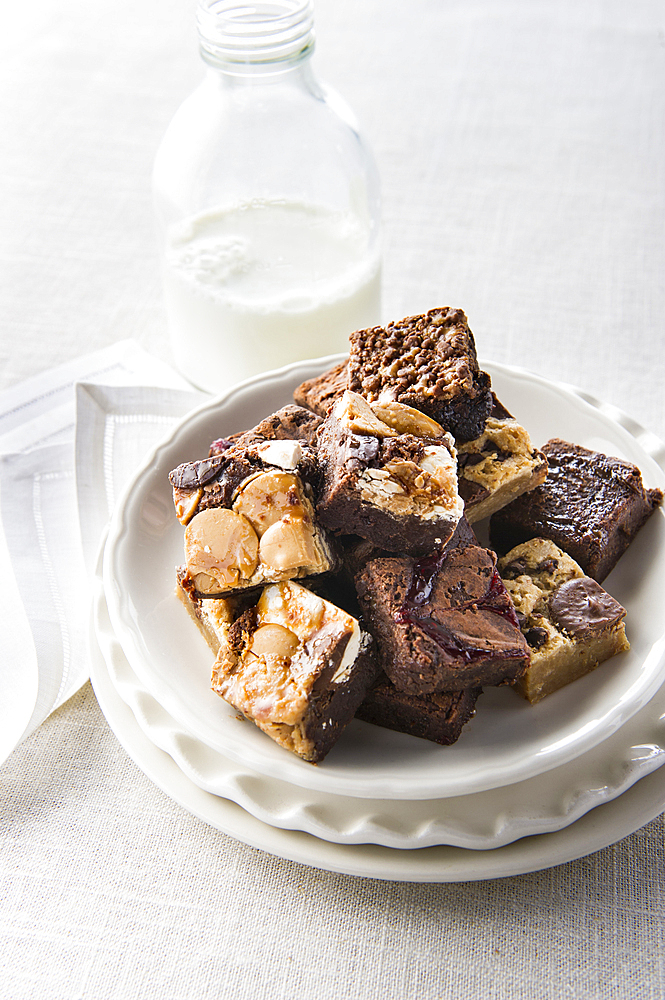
521	149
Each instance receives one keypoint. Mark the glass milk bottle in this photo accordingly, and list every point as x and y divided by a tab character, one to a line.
268	202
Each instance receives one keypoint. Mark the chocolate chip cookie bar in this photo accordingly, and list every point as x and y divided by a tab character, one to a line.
591	505
428	362
498	466
570	623
389	475
443	622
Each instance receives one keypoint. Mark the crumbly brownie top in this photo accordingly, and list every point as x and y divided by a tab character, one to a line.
292	423
433	354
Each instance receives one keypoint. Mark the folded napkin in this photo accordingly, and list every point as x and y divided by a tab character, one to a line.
70	440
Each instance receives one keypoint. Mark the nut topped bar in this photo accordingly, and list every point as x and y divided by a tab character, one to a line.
293	663
389	475
289	661
249	516
428	362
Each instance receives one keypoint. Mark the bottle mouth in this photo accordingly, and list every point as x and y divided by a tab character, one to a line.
237	33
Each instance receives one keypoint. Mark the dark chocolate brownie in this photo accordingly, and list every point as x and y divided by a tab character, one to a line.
319	394
444	622
438	717
591	505
428	362
398	491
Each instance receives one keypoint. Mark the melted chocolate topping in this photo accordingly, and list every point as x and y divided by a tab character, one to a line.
583	609
190	475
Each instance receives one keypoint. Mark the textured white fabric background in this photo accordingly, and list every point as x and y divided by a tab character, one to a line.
521	148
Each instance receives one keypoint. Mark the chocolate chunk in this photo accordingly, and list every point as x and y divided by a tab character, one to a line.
536	636
499	412
469	458
514	569
191	475
471	493
583	609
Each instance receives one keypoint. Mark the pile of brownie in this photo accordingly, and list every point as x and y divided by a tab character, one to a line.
331	564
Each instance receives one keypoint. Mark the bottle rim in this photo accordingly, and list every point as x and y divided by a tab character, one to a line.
267	31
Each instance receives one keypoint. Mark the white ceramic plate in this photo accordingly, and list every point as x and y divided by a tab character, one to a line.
508	740
482	821
598	828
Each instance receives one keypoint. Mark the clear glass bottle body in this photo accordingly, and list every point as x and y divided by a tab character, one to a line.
268	201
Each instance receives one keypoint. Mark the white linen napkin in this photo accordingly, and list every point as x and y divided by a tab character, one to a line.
69	441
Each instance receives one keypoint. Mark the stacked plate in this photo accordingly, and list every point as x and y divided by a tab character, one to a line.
525	786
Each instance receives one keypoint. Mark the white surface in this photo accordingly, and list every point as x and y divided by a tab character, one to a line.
482	821
508	740
596	829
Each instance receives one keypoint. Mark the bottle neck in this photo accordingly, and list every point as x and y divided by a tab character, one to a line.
248	39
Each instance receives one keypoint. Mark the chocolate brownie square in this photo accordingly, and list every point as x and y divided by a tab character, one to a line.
320	393
397	490
428	362
570	623
438	717
591	505
444	622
